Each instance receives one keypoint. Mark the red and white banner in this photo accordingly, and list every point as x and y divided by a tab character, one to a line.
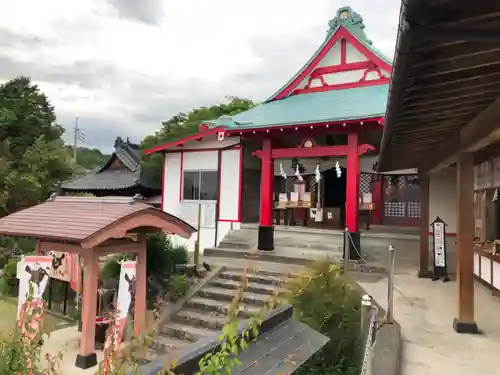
33	278
75	278
126	295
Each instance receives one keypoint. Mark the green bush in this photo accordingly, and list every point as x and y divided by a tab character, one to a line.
8	281
324	300
177	287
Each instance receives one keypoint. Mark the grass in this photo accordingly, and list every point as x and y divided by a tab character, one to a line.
8	317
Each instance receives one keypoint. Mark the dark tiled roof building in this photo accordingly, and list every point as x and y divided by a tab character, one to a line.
120	175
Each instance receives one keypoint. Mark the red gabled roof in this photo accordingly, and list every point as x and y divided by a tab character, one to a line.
180	142
342	32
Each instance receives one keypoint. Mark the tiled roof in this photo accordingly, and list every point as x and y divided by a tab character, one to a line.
336	105
75	218
103	178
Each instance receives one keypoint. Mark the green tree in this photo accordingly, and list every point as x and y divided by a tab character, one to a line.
32	155
184	124
25	115
87	158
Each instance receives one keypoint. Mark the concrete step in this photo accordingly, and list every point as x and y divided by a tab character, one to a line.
279	255
207	304
223	294
186	332
253	287
243	265
205	319
259	278
163	344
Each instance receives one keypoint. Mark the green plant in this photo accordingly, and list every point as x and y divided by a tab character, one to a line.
111	268
8	281
323	299
177	287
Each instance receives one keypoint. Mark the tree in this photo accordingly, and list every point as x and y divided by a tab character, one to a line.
25	115
33	159
184	124
87	158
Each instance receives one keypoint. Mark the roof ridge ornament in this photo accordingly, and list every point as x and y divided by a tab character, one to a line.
350	19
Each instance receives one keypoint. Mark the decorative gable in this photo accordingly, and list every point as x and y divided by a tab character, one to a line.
346	59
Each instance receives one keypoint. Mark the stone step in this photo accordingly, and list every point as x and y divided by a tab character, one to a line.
223	294
279	255
206	319
186	332
326	245
206	304
163	344
268	289
258	278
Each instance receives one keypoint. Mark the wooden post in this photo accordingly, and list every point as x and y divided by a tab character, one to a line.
140	291
423	271
198	238
87	358
266	229
464	323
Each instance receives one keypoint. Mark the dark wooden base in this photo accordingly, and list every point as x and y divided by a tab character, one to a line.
465	327
354	245
265	240
86	361
424	274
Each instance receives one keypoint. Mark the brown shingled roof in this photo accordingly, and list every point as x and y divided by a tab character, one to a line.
75	219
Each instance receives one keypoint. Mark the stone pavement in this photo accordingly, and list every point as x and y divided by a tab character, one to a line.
425	310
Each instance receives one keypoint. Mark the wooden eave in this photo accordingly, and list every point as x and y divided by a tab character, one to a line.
445	82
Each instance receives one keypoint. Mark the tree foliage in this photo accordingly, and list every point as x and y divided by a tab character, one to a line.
184	124
32	155
87	158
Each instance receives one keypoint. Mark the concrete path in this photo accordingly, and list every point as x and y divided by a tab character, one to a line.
425	310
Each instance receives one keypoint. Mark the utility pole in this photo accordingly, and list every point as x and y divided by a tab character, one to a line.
77	136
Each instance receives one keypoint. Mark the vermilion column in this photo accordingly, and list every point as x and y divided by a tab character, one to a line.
87	358
266	229
352	194
140	291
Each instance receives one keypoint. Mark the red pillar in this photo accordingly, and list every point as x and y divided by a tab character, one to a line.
266	229
87	358
352	189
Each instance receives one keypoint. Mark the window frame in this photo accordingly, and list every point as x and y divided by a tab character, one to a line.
199	172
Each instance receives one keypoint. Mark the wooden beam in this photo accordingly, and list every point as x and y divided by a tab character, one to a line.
428	101
441	115
426	107
312	152
482	84
439	32
424	226
476	131
464	323
456	52
459	83
455	65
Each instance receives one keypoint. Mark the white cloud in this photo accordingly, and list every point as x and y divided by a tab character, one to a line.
130	66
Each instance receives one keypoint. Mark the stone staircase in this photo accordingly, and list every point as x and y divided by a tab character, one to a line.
206	312
301	245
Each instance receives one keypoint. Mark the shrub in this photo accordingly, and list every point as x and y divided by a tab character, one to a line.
177	287
8	281
324	300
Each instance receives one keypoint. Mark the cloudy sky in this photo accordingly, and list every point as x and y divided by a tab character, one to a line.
123	66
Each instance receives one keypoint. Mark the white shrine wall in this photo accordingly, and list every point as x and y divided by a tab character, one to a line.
211	155
443	198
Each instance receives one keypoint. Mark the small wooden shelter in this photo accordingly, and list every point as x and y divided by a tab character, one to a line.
443	111
93	227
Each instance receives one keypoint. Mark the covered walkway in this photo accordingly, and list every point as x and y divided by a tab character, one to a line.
443	110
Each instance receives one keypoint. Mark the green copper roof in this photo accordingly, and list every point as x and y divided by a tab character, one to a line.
353	22
334	106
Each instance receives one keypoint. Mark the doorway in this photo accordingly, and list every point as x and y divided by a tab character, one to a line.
334	196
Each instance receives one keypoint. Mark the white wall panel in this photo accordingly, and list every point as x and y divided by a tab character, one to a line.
230	176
